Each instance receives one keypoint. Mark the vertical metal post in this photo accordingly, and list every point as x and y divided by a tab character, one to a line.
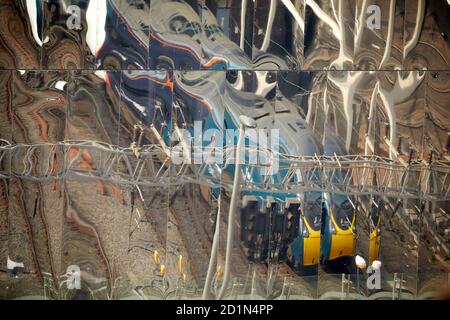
213	258
401	287
394	287
348	287
286	286
248	32
253	290
270	278
236	287
45	288
345	282
245	122
357	280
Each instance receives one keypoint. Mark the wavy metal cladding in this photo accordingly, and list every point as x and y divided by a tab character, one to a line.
63	47
73	101
325	34
19	50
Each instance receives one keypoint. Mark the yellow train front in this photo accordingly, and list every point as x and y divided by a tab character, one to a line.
304	252
338	239
375	232
338	235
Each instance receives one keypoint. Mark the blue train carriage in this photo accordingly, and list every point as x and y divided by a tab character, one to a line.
339	212
270	222
208	98
285	225
277	225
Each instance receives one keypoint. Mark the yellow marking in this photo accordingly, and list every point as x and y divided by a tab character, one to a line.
311	245
156	256
342	245
219	272
374	243
162	270
374	247
180	264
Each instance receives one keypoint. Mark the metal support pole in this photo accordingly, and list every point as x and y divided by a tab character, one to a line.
394	289
345	282
357	280
253	290
213	258
236	287
287	286
245	122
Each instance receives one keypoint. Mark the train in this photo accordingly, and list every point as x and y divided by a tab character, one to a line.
339	229
303	229
375	230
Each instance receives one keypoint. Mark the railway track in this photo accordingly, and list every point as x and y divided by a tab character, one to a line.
190	216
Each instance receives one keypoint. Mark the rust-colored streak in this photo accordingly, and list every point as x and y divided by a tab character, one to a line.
74	217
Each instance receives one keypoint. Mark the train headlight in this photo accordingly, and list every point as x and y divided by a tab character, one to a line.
376	265
360	262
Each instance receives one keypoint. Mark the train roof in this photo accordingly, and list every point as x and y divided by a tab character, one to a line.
332	144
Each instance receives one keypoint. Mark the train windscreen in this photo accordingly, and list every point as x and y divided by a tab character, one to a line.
343	210
313	209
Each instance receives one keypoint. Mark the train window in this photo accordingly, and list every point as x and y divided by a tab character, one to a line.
210	30
261	115
312	209
196	27
374	217
301	125
181	25
232	76
292	127
178	24
342	210
281	108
